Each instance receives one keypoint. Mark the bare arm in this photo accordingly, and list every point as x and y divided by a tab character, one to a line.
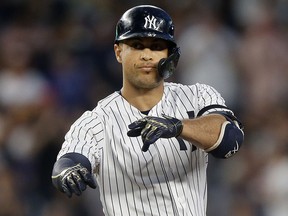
203	131
219	134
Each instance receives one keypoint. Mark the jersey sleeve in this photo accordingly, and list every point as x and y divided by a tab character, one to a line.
209	100
83	138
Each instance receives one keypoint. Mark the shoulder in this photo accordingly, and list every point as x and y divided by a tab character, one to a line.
178	87
99	112
199	95
195	89
204	88
107	103
109	100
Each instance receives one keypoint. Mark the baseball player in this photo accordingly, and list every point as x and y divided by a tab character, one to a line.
147	145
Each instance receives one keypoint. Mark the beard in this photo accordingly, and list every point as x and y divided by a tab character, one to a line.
145	81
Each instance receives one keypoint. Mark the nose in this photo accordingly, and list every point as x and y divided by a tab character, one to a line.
146	54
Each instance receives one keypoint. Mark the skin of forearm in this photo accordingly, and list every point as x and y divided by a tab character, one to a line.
203	131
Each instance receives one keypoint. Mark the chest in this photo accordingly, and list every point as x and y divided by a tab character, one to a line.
122	155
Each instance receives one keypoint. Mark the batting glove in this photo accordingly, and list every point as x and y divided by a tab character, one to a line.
152	128
73	180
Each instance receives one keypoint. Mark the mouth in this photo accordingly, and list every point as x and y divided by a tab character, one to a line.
147	68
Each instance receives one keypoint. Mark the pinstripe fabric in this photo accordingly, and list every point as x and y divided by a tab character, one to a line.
161	181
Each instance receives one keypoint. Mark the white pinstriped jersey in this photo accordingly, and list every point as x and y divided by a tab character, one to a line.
162	181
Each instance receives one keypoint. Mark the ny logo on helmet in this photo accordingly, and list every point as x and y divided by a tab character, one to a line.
152	23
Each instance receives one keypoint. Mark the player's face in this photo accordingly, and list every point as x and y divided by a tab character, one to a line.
139	58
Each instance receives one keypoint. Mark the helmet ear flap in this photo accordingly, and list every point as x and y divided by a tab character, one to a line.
167	66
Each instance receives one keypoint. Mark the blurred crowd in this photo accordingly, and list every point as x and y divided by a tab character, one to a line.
57	60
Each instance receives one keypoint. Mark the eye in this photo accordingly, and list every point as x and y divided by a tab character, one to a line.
158	46
137	45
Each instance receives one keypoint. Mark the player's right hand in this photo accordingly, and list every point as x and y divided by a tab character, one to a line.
73	180
152	128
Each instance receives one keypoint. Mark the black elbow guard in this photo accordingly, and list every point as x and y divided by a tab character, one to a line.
229	142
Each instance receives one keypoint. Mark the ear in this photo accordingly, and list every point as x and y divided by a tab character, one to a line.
118	50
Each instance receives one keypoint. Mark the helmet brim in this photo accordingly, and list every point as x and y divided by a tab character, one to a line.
146	35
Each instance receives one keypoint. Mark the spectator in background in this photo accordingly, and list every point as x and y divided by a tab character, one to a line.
208	53
25	96
273	177
24	93
263	60
9	199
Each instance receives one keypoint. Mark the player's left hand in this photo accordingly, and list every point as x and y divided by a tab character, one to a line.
152	128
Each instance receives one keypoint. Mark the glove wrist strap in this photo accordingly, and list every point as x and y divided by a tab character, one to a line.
67	161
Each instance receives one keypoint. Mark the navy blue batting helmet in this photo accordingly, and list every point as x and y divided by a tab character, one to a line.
145	21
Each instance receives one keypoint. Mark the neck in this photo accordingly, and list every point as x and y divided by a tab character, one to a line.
143	99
